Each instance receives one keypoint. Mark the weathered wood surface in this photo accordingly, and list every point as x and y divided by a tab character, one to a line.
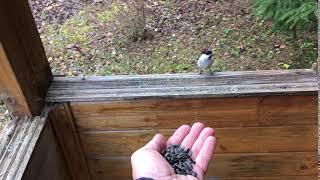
47	161
10	90
221	84
259	130
63	124
18	141
225	165
231	140
214	112
24	71
265	121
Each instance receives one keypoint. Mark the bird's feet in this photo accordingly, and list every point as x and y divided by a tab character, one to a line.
200	71
210	72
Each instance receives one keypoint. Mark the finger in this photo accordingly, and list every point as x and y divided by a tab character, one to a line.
206	152
199	172
189	140
158	143
179	135
206	132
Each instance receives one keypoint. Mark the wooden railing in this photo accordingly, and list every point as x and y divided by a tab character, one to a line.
265	121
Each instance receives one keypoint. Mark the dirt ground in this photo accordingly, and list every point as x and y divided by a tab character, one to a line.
94	37
106	37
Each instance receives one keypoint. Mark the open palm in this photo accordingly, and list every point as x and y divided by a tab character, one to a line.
148	162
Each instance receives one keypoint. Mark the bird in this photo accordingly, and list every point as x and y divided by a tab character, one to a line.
205	61
314	66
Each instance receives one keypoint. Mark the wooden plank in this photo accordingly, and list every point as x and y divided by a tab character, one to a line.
231	140
9	87
18	148
221	84
180	92
157	81
25	74
214	112
47	161
30	151
68	138
225	165
96	109
225	74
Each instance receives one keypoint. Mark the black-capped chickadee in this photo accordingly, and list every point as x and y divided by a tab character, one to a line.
205	61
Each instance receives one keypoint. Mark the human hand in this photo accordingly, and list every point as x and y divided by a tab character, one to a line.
148	162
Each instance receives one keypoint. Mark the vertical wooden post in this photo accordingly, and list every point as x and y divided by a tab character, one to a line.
68	138
25	74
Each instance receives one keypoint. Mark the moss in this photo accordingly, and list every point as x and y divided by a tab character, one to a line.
76	29
73	31
107	15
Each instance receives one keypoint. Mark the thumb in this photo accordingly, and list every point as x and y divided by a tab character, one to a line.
158	143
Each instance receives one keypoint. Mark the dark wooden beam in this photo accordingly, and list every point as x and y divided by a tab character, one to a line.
68	138
24	71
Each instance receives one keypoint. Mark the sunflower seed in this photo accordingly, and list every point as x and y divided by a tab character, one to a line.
180	159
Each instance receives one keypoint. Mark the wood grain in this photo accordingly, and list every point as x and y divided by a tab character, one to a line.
68	139
221	84
225	165
25	74
230	140
31	152
269	126
17	145
214	112
9	87
47	161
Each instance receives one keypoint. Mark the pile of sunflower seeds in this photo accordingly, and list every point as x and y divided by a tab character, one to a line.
180	159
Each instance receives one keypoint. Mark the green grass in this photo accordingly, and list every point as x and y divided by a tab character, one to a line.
108	15
74	30
72	33
117	54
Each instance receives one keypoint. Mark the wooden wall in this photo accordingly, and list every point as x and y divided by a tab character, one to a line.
47	161
260	137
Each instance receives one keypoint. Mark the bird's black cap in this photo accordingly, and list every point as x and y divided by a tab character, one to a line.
207	52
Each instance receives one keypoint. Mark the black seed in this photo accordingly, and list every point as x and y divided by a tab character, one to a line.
189	166
181	172
189	153
180	156
174	165
180	159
